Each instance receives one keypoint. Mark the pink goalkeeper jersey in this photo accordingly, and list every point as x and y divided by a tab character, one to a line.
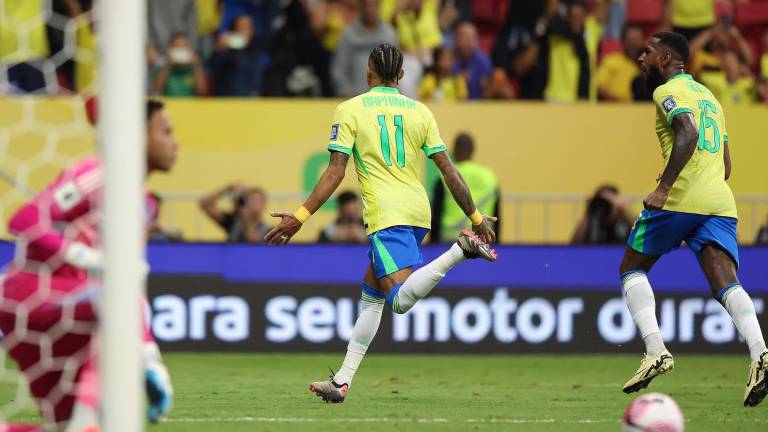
67	210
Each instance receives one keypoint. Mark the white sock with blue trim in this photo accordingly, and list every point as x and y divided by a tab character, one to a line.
739	305
365	329
642	305
420	283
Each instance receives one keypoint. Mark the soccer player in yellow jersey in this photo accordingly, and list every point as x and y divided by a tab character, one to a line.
693	204
387	134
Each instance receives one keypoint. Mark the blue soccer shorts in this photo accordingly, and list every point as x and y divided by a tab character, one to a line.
395	248
657	232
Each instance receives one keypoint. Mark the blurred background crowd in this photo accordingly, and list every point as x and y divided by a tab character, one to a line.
455	50
554	50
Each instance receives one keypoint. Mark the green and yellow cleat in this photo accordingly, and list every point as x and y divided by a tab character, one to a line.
650	368
757	384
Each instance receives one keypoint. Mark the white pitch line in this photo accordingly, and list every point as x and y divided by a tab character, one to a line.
618	385
248	419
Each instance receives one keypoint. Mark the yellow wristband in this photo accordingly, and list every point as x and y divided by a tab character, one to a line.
302	214
476	217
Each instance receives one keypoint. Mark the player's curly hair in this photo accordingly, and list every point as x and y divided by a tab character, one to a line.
152	106
386	60
676	43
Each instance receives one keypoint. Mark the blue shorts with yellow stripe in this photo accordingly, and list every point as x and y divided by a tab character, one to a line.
395	248
657	232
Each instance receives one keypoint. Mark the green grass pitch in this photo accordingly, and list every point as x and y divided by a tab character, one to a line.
268	392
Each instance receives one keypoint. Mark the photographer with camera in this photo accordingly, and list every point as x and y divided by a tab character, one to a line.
607	219
348	226
236	60
182	75
244	222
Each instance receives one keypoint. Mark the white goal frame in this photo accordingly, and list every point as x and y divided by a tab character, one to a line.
121	136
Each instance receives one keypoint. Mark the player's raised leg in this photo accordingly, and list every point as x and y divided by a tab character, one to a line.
719	267
418	284
394	252
642	306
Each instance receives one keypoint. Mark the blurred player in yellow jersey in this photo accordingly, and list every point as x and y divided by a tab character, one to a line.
388	134
693	204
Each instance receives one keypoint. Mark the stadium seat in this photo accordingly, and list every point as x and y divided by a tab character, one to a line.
489	16
490	11
608	46
644	11
722	8
752	13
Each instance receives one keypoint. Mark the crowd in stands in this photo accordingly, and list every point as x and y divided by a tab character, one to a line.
454	50
556	50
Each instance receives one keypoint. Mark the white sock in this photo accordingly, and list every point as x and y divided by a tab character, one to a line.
421	282
739	305
642	305
365	329
448	260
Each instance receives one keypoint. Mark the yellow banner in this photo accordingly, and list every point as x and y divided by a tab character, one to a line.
280	145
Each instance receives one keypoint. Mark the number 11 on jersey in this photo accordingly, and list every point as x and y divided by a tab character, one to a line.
399	144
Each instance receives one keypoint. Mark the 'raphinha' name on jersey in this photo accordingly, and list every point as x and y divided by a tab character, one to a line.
386	133
701	186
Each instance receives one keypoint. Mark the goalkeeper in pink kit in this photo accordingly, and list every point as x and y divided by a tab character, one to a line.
49	301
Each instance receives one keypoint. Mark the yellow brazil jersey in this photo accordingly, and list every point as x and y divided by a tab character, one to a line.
415	29
386	133
739	92
564	66
615	75
693	13
701	186
449	89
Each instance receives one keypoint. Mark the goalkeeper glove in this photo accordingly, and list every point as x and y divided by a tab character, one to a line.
158	382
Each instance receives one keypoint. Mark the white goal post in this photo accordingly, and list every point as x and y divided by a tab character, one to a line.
121	136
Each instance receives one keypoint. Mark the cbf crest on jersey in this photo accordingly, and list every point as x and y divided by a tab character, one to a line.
334	131
668	104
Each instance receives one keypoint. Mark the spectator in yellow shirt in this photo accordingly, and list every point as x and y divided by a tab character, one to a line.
709	47
329	19
417	23
733	85
572	43
208	21
688	17
618	70
440	84
762	87
764	57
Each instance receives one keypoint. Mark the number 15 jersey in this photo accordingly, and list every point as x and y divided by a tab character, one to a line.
386	132
701	186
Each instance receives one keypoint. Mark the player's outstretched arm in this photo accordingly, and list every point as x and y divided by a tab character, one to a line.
290	223
686	139
727	160
70	197
455	182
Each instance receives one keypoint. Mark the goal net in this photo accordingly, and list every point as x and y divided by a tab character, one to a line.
52	196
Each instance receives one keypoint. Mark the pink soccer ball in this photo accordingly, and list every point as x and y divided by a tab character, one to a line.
653	412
